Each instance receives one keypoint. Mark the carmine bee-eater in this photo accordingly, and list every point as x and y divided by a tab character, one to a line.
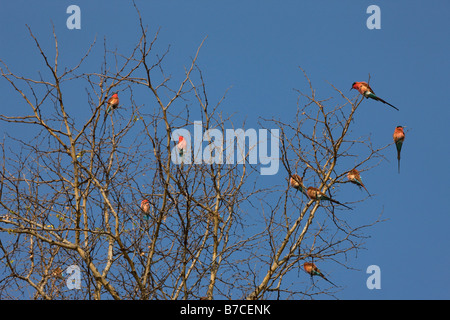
297	183
354	177
367	92
145	207
316	194
314	271
399	137
181	146
112	103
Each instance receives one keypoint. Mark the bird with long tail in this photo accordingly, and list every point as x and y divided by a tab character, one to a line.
316	194
364	89
111	104
296	182
354	177
312	270
145	207
399	137
181	146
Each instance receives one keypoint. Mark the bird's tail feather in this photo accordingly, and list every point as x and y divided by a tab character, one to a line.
337	202
104	121
360	184
399	147
365	189
329	281
381	100
103	127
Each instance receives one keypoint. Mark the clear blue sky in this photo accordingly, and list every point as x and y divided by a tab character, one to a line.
256	47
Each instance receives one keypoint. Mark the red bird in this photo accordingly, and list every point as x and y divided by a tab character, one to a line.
297	183
399	137
316	194
145	206
314	271
181	146
354	177
112	103
367	92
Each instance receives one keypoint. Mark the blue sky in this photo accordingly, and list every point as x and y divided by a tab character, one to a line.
256	47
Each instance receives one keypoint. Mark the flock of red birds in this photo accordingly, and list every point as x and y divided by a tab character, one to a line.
295	180
353	175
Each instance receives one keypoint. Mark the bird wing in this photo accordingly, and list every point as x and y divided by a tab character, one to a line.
368	87
358	180
312	192
322	196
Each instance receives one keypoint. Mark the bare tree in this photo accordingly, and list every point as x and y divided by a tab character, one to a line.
71	194
316	147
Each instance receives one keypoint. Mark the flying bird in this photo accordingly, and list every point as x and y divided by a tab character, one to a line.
354	177
181	146
367	92
316	194
297	183
399	137
312	269
145	207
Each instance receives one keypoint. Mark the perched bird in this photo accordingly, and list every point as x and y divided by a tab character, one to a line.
112	103
367	92
354	177
316	194
181	146
145	206
297	183
314	271
399	137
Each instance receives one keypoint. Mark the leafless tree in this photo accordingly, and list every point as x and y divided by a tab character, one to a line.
320	148
71	194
